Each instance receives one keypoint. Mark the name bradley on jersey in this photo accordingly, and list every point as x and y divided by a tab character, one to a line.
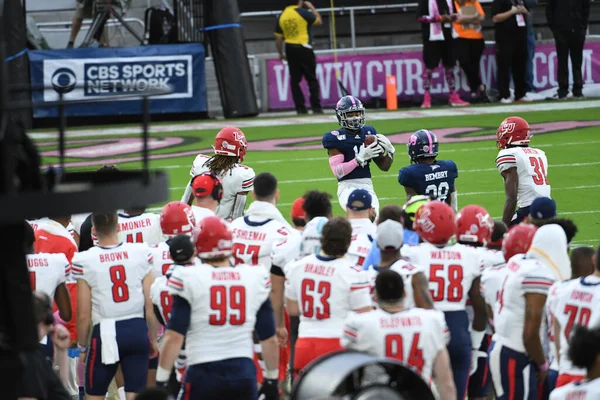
111	257
319	270
436	175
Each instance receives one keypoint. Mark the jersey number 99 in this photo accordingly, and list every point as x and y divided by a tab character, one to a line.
229	305
439	192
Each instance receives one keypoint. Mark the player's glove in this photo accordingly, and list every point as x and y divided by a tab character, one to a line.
475	356
368	153
269	390
388	147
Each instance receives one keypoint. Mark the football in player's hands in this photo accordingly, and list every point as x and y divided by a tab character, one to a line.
370	139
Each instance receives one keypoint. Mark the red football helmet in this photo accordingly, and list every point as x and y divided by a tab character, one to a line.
214	238
513	131
177	218
434	222
231	142
474	225
518	240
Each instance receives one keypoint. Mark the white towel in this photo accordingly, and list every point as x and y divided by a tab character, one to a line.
108	336
436	33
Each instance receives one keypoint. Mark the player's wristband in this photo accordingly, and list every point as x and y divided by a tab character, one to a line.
271	374
162	374
82	349
544	367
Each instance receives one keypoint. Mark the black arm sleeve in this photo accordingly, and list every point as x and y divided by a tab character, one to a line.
265	321
180	315
158	314
85	235
275	270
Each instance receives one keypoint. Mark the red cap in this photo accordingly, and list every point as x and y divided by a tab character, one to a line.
203	185
297	210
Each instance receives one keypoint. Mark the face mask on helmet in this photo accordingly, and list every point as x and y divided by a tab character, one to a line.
352	119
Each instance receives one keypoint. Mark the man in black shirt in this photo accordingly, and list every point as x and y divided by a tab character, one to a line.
510	29
568	21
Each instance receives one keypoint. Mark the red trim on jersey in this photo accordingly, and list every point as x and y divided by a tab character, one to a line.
349	333
360	287
505	159
537	283
92	362
175	283
512	387
76	269
188	391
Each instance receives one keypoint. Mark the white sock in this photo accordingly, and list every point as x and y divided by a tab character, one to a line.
122	393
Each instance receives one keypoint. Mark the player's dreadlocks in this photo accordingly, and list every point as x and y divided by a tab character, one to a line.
220	164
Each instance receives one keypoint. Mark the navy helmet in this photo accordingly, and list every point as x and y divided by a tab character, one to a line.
422	144
350	104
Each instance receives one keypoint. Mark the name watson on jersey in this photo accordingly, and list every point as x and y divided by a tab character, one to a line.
131	77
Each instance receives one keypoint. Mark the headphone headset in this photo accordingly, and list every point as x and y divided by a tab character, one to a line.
217	186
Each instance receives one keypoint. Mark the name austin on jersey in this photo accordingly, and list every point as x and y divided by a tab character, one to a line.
436	175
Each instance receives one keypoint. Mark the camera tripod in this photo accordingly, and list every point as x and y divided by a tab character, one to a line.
103	10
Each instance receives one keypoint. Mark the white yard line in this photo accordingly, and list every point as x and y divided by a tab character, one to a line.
324	158
372	116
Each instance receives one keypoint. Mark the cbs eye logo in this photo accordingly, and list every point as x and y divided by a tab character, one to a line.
63	80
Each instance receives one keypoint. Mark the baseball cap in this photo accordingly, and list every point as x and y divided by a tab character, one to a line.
297	208
543	208
203	185
360	199
181	248
390	235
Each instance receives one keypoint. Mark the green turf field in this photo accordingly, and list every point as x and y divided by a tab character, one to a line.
291	151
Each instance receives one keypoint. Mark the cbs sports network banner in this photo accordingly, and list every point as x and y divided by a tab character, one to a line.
364	75
101	74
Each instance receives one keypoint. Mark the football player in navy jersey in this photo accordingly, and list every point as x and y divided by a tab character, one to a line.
426	175
349	158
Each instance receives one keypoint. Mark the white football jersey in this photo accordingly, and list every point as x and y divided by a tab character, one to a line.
576	304
532	168
37	223
311	236
363	232
161	259
47	271
414	337
326	290
77	220
254	241
239	179
159	292
115	275
554	294
450	270
523	276
406	270
143	228
491	283
295	247
224	302
584	390
201	212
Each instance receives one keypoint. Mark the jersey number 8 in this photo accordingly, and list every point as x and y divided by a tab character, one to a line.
120	290
439	192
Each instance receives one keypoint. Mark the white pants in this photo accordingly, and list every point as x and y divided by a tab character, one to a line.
345	188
